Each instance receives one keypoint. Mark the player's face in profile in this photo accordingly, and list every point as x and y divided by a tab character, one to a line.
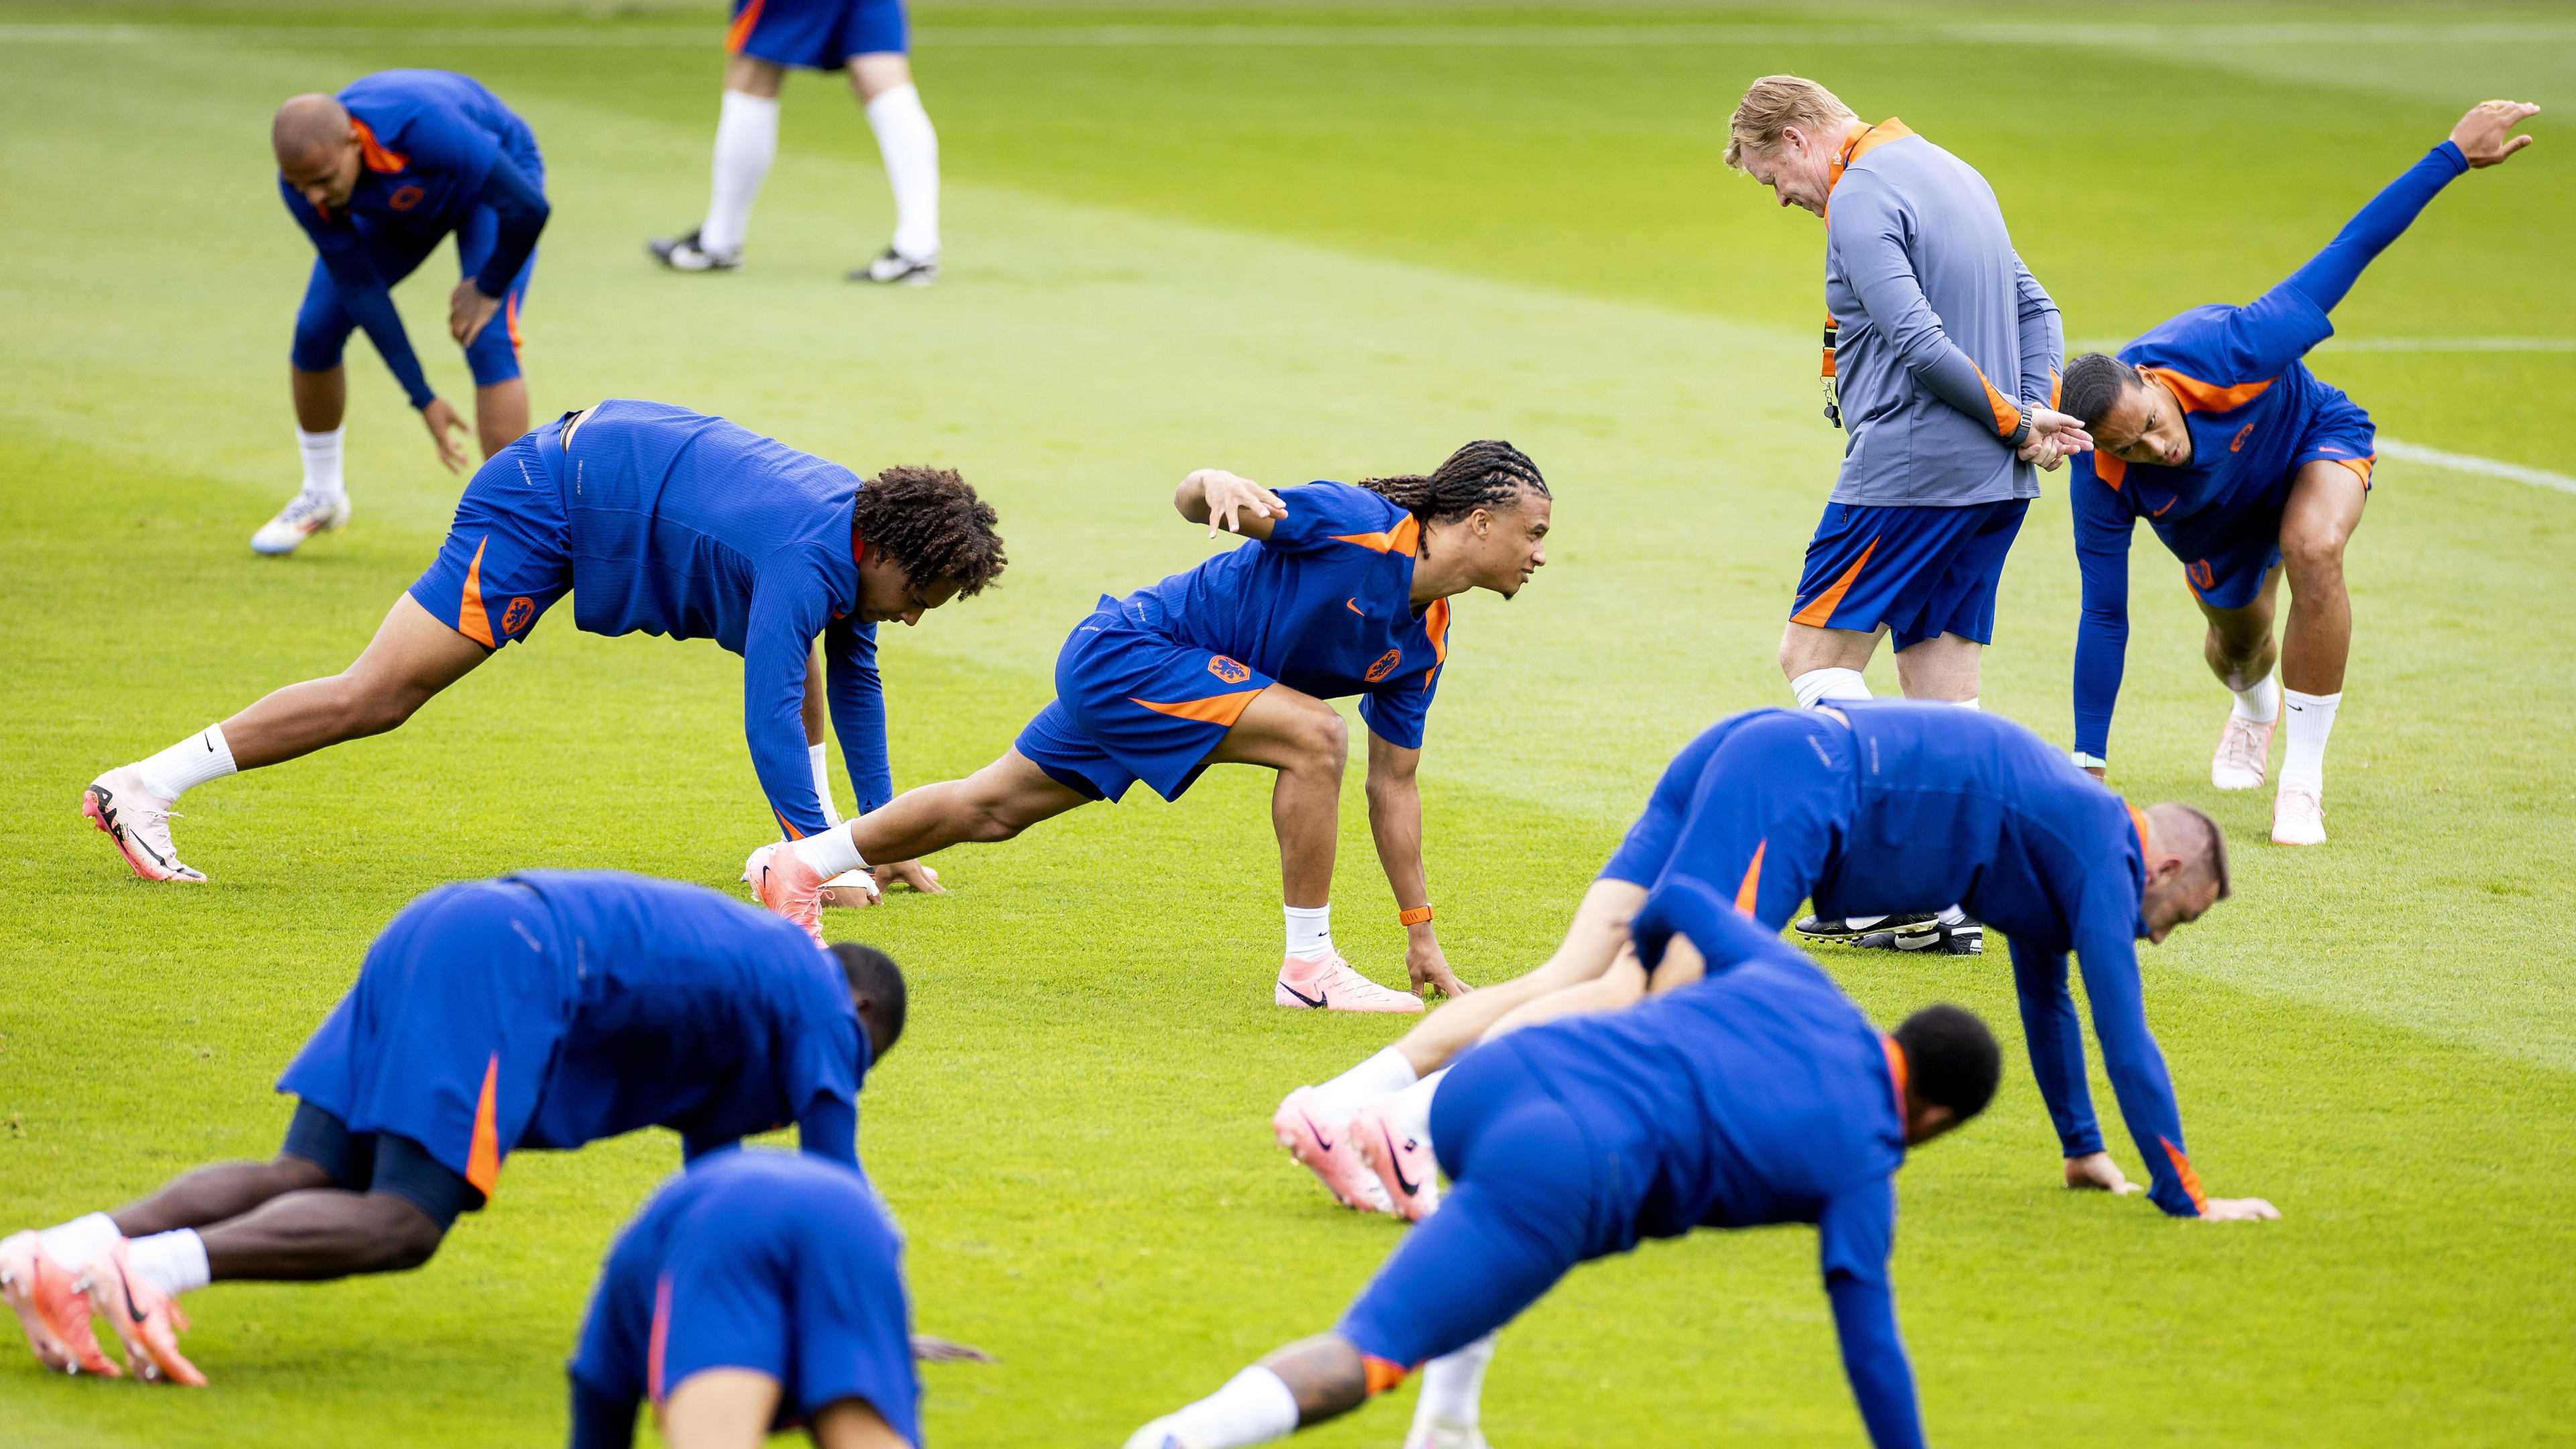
1512	546
2176	900
2145	426
887	593
324	176
1792	170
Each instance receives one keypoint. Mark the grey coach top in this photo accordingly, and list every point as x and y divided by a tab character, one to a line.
1944	335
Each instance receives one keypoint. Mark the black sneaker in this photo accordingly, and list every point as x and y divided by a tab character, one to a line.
1853	931
683	254
1968	938
894	266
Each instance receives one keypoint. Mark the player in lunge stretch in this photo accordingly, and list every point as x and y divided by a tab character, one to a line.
1341	590
657	519
377	176
537	1011
1941	358
1863	806
766	39
2212	430
1746	1091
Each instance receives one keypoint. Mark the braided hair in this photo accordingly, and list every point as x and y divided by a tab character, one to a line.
1485	474
930	521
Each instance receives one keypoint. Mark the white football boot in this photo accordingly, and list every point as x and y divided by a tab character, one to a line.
304	515
2244	748
139	822
893	266
687	254
2298	816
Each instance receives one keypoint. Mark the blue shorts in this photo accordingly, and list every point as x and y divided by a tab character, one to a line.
323	325
2225	562
1132	703
508	554
1760	816
1919	573
1528	1204
451	1030
816	34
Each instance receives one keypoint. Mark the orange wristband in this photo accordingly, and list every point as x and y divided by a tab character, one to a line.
1414	917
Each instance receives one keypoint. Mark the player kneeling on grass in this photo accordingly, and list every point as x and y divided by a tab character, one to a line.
755	1293
2212	429
1745	1091
657	519
538	1011
1863	805
1342	590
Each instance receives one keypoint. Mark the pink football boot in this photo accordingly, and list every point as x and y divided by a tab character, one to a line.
1331	985
50	1309
1402	1162
787	885
1326	1151
148	1320
139	822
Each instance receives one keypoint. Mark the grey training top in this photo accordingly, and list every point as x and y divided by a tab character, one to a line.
1921	275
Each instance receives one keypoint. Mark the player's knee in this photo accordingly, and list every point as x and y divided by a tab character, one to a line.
367	708
2313	555
1323	737
409	1237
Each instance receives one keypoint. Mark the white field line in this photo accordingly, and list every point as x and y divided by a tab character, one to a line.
2466	463
2202	36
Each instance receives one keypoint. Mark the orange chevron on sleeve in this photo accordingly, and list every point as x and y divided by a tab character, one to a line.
471	621
1822	606
2208	397
1405	537
378	159
1751	889
2182	1169
1217	709
483	1155
2007	416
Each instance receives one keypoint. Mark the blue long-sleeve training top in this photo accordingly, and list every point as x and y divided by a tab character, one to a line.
1943	338
1757	1096
432	147
2249	403
686	525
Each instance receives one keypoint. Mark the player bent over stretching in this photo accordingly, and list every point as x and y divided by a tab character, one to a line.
538	1011
2213	430
377	176
1865	806
657	519
756	1292
1342	590
1746	1091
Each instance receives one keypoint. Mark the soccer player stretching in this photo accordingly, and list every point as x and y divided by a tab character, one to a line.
2213	430
538	1011
1747	1091
767	37
1342	590
657	519
1865	806
377	175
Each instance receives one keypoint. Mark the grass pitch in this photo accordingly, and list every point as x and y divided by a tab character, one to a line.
1304	260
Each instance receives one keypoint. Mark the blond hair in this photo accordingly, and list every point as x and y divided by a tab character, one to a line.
1773	104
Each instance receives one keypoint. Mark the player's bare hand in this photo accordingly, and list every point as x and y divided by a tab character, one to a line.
1427	965
912	873
2098	1173
2238	1210
2048	453
444	424
2064	430
1229	497
468	310
928	1349
2482	133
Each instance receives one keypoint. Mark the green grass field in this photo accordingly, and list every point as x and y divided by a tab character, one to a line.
1196	240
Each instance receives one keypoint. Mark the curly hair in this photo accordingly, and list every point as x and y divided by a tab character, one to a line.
930	521
1484	474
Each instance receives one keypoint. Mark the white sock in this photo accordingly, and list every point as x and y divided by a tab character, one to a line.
823	783
911	150
1254	1407
191	762
71	1245
1382	1075
830	853
2303	765
322	462
1411	1108
2262	703
174	1262
1453	1388
746	142
1310	931
1818	684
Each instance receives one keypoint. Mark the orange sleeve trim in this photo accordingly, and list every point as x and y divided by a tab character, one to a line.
1217	709
2182	1169
739	33
2110	470
2197	396
483	1155
1383	1374
1373	542
2055	384
2360	466
2007	416
1751	890
471	621
1414	917
1822	606
377	158
1404	538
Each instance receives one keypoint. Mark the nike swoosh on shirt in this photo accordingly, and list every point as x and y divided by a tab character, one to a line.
1316	1000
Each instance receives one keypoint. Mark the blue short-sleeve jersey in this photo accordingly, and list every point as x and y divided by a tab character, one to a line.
772	1262
698	1013
426	142
1324	605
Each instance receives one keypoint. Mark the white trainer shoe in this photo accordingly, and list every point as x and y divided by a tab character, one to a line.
1445	1434
688	254
2244	749
304	515
894	266
139	822
2298	816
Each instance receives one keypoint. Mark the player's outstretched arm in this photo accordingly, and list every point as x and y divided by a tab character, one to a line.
1874	1360
2484	135
1395	821
1222	500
